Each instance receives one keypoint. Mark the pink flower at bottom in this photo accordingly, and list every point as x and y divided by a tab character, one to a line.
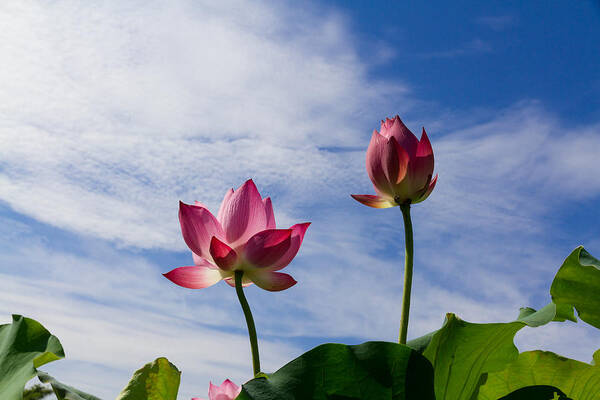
227	391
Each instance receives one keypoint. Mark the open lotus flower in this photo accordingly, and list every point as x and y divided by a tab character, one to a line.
399	165
227	391
242	237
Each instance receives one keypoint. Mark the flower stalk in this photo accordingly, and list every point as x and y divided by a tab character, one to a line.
249	321
408	271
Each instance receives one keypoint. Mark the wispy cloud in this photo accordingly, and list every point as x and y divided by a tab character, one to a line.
154	103
498	23
475	46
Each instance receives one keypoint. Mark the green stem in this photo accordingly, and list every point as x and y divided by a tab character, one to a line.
408	270
249	321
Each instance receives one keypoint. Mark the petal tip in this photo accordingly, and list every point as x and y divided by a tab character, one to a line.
372	201
250	182
248	185
194	277
273	281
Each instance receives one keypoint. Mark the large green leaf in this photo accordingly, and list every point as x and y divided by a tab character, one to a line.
62	391
577	284
578	380
24	345
462	352
527	315
158	380
372	370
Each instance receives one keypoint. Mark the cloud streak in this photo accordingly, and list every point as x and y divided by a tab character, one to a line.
475	46
130	114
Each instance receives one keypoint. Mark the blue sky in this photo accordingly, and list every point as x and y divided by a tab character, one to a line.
110	114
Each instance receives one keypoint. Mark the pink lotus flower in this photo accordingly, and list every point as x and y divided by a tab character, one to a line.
242	237
399	165
227	391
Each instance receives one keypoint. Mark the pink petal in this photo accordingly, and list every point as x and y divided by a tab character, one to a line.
230	388
227	391
396	161
396	128
198	226
428	191
225	257
373	201
224	204
421	167
267	247
424	149
271	281
243	215
212	390
197	277
418	175
387	163
269	213
376	169
198	260
298	232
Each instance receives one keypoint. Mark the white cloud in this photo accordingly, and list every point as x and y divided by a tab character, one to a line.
578	341
513	168
131	107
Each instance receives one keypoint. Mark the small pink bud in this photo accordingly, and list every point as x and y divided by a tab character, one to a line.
227	391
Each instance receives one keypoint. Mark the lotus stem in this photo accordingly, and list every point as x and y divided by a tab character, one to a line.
408	271
249	321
